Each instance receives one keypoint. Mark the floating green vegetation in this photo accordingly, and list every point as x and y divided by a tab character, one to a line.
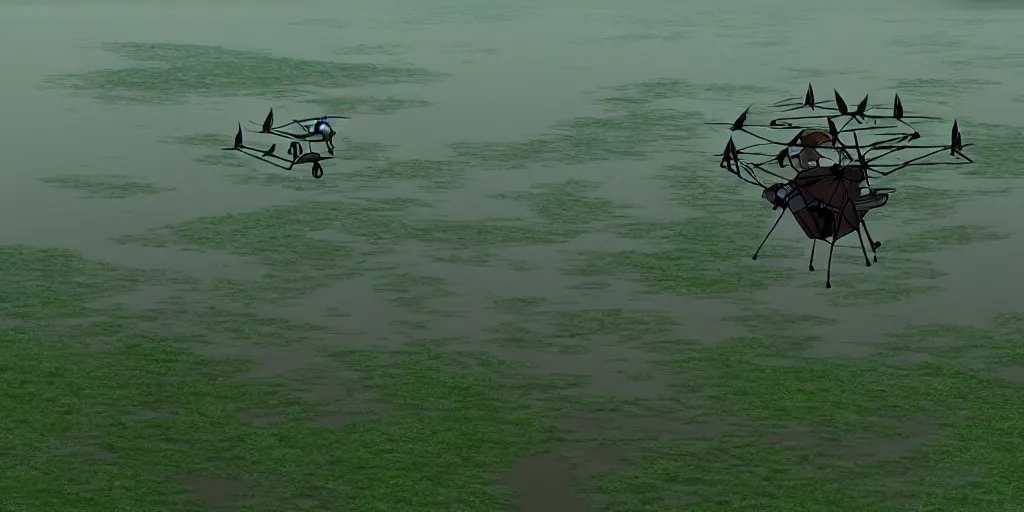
40	285
308	245
649	91
414	293
996	149
939	90
142	408
694	188
566	203
915	204
703	255
779	321
649	35
816	432
169	73
994	348
904	270
711	264
944	237
894	278
373	49
105	186
632	134
345	105
436	175
540	323
279	237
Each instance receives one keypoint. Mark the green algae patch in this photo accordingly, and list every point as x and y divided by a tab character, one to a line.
311	244
569	203
167	73
634	134
105	186
42	285
703	256
136	421
946	237
829	434
429	175
990	347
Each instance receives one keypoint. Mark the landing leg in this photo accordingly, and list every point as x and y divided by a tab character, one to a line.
810	264
863	249
874	245
828	271
769	234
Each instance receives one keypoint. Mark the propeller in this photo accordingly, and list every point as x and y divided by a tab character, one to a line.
862	107
897	108
729	156
841	103
956	141
833	130
809	97
268	123
238	137
270	151
740	121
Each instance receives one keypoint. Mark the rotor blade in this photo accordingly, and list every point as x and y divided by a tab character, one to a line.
238	137
897	108
268	123
319	118
841	103
833	131
738	123
727	154
956	141
862	107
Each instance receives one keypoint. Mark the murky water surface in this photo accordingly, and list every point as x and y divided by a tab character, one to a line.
524	284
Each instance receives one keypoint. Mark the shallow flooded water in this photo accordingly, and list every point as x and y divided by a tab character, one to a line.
524	284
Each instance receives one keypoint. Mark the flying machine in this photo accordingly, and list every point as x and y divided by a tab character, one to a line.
313	130
832	155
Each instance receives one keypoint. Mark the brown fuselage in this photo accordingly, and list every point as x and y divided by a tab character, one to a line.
825	201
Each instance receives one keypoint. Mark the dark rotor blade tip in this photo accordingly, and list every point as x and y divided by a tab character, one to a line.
840	103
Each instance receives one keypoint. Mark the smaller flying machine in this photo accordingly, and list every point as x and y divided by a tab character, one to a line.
314	129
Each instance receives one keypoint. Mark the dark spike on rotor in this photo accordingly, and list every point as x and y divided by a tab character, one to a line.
809	97
270	150
268	123
897	108
238	137
740	121
841	103
956	141
862	107
833	131
728	155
